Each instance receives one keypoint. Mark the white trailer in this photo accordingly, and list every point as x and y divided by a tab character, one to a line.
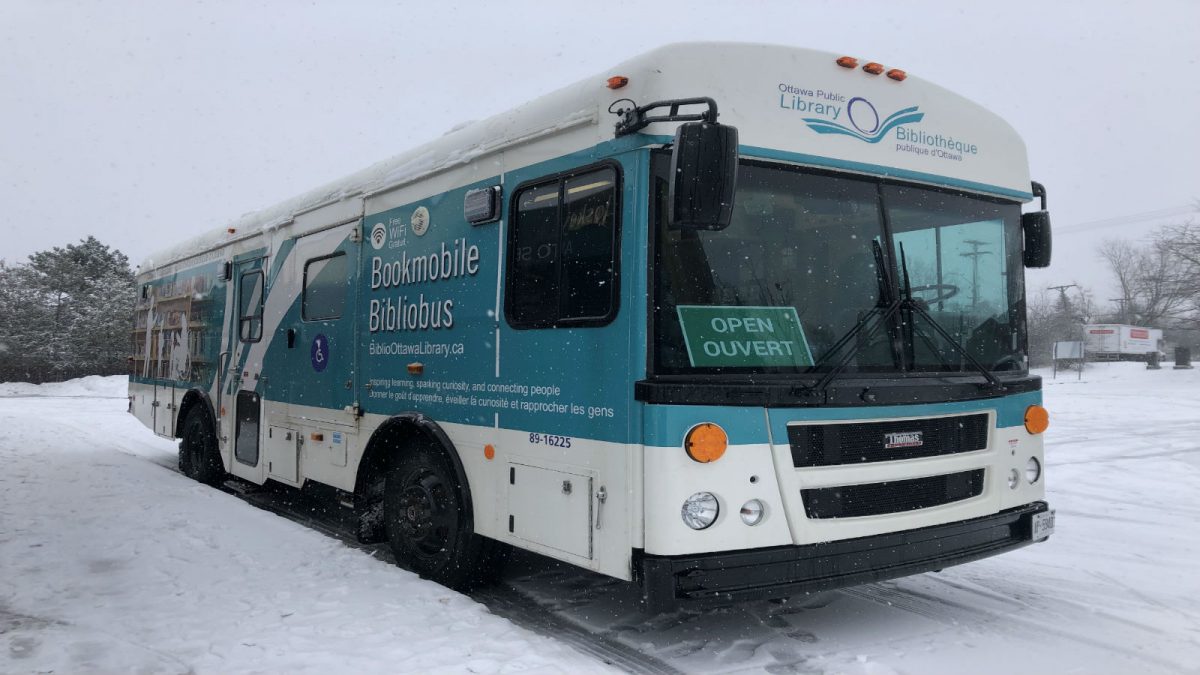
1121	342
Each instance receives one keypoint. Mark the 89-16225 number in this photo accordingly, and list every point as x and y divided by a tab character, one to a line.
548	439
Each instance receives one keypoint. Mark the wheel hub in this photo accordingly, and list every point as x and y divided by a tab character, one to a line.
425	516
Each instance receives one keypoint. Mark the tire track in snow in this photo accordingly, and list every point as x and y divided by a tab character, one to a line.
952	612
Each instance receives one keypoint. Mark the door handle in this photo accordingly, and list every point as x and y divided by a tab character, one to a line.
291	334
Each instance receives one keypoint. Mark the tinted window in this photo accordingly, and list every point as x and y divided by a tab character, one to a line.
562	252
250	302
324	287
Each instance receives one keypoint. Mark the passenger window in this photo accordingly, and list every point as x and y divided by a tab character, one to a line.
562	252
250	302
324	288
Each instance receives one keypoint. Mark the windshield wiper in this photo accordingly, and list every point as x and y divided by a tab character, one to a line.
885	308
913	306
883	311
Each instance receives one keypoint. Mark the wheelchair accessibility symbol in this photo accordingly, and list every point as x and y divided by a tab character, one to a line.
319	352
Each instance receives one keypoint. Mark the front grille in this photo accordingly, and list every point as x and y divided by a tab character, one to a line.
858	443
897	496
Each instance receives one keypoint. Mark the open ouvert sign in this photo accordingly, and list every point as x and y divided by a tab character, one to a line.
743	337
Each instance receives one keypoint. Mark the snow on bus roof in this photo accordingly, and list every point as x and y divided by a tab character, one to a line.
466	142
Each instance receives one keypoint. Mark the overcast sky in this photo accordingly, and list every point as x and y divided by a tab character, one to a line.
144	122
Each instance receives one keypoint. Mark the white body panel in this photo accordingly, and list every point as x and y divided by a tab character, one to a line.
778	486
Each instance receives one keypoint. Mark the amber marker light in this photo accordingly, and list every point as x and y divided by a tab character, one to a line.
416	368
848	62
897	74
1037	419
489	451
705	442
873	68
617	81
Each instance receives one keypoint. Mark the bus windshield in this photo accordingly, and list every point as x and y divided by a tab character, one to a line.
798	269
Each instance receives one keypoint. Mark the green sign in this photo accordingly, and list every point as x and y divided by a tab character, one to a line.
743	337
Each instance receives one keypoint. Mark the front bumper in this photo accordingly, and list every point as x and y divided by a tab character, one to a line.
734	576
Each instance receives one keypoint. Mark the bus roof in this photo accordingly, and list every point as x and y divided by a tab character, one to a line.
790	104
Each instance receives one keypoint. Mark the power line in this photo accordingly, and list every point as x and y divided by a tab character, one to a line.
1126	220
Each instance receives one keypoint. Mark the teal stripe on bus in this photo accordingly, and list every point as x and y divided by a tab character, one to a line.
666	424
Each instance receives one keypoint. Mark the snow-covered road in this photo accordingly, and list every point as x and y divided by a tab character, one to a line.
110	561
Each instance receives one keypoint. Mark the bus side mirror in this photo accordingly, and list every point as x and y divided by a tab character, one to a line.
1036	228
703	176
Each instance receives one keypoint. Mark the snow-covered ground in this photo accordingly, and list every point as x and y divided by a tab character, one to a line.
110	561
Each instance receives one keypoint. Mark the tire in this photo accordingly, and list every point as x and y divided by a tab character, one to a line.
199	458
429	527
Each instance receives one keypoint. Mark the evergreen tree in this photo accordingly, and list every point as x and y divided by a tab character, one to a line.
66	313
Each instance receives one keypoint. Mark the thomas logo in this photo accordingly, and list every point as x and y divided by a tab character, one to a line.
903	439
865	123
378	236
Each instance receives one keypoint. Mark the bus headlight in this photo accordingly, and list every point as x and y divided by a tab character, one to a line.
1014	479
700	510
752	512
1033	470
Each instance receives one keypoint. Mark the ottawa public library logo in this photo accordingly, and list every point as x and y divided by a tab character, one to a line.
865	123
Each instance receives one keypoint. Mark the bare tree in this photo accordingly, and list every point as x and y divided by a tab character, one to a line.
1157	286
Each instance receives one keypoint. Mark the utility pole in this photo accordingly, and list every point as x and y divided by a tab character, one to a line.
1124	319
974	255
1064	303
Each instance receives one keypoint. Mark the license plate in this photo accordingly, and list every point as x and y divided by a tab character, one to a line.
1043	525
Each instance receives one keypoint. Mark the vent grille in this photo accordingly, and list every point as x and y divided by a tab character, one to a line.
834	444
898	496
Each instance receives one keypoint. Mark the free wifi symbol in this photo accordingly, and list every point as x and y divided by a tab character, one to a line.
378	236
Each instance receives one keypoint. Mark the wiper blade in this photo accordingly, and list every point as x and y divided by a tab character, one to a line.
913	306
884	309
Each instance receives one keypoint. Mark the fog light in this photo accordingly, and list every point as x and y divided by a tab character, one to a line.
700	510
752	512
1033	470
1013	479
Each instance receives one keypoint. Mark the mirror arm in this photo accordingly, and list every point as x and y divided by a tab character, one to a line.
635	119
1039	190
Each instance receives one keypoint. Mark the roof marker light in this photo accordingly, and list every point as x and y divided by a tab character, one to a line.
873	68
617	81
848	62
897	74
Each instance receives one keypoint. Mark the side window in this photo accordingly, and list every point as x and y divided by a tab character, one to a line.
324	288
562	267
250	304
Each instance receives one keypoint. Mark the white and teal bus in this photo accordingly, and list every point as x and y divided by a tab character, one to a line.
729	321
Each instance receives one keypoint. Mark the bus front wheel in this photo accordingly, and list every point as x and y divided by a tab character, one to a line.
198	455
428	525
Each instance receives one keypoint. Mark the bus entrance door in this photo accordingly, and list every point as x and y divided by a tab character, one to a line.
320	360
240	390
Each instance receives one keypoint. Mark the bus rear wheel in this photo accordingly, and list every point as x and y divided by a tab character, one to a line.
428	524
198	456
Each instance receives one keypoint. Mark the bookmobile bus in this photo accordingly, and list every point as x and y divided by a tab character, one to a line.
729	321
